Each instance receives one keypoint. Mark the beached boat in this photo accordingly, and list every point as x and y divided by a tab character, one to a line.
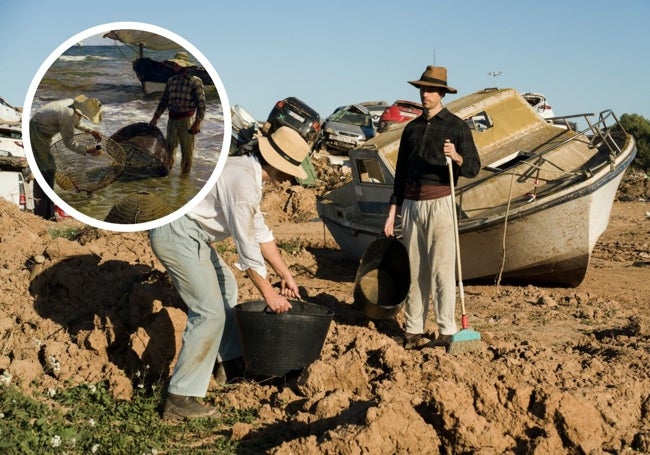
537	207
151	73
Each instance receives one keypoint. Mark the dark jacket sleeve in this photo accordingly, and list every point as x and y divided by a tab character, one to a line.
471	160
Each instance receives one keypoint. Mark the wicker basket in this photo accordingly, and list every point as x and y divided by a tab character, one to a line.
84	172
147	152
137	208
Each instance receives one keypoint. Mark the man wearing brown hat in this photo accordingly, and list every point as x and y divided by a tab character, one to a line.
60	117
203	279
422	190
184	97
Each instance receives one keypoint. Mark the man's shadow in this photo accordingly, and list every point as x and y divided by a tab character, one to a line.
123	308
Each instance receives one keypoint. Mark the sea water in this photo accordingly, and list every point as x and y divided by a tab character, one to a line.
106	72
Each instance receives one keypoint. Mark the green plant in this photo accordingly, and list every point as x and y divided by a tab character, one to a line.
69	233
639	127
86	419
292	246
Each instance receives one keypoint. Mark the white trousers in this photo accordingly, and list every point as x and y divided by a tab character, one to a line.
428	230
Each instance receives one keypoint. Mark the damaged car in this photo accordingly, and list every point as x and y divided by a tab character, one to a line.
347	128
399	112
296	114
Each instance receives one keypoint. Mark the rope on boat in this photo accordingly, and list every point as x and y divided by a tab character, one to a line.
505	228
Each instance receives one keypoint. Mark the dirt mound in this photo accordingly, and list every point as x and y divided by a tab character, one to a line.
561	370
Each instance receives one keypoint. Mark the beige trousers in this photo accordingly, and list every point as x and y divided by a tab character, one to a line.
177	135
428	230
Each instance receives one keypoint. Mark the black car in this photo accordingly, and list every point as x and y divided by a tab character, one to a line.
294	113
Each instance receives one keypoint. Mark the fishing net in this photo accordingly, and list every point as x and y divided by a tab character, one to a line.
84	172
137	208
147	153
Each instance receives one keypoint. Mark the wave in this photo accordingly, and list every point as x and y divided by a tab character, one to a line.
82	58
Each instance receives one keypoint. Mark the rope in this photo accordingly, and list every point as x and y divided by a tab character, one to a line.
119	49
558	171
505	229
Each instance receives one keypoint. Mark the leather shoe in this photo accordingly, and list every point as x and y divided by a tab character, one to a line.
442	340
179	407
411	340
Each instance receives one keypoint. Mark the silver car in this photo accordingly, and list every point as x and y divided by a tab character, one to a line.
348	127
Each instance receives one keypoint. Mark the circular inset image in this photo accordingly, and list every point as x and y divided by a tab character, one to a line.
125	118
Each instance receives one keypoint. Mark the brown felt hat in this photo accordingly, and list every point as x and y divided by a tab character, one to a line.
285	150
434	76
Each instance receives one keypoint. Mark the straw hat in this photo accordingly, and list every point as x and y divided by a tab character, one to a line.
90	108
434	76
181	59
285	150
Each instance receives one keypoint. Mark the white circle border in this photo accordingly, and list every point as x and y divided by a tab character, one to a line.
225	146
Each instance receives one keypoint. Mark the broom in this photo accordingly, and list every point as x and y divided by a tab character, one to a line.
466	340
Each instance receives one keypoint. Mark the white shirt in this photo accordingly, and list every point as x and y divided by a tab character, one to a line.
59	117
232	208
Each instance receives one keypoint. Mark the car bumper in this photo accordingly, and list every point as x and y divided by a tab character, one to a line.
343	142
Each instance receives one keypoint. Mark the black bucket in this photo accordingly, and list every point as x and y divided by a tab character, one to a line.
275	344
383	278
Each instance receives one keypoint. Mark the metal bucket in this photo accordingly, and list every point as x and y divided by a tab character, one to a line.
383	279
275	344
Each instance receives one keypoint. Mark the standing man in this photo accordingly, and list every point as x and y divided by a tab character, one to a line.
60	117
205	282
184	96
422	190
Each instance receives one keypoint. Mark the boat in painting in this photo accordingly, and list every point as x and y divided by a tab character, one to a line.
534	212
153	74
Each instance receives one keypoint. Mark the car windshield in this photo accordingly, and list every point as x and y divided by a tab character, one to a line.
351	117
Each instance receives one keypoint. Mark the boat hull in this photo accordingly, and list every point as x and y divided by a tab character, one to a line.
549	243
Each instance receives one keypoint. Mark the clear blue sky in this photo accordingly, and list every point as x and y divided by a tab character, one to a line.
585	56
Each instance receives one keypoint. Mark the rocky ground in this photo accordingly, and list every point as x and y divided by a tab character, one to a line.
560	371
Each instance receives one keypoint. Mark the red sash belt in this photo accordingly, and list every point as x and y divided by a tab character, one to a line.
176	115
425	192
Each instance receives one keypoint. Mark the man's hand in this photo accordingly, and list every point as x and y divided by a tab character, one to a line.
94	151
450	151
196	128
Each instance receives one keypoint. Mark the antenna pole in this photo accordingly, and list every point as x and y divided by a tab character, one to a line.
494	75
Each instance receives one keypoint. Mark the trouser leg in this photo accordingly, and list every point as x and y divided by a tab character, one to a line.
209	290
43	205
443	264
177	134
417	299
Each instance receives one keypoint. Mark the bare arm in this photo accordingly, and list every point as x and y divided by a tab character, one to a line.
278	302
389	226
271	254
